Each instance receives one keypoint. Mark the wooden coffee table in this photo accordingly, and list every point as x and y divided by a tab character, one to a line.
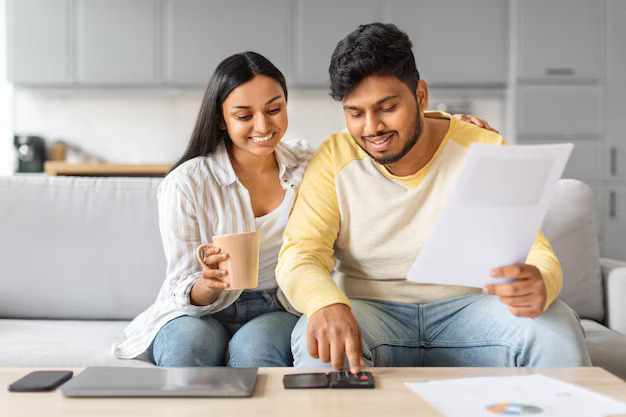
390	398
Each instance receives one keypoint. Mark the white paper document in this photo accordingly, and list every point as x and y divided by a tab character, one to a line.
493	213
531	395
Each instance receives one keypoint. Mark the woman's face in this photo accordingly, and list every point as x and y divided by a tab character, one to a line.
255	114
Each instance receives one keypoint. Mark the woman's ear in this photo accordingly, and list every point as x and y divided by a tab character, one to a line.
221	123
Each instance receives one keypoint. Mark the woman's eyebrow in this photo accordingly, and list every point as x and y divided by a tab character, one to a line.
267	102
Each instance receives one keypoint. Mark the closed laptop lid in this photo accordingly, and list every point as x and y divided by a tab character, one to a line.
161	382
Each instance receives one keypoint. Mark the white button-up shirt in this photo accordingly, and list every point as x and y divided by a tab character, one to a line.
200	199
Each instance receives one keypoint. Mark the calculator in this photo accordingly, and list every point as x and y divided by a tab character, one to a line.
335	379
346	379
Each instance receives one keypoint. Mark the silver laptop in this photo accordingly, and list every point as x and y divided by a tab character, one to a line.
161	382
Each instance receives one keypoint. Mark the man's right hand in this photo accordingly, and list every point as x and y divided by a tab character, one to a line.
332	332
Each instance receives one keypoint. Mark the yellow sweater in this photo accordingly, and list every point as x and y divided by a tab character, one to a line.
356	230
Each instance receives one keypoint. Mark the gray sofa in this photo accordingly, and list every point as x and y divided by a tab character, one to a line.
80	257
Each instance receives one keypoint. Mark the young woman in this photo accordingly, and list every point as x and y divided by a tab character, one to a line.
235	176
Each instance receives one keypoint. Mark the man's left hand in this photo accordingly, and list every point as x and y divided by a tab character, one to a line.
525	297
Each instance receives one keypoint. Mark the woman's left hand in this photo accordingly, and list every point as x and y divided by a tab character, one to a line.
470	118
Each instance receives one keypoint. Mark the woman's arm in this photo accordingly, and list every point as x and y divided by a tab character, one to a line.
181	236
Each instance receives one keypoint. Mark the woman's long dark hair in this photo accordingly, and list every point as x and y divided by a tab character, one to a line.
229	74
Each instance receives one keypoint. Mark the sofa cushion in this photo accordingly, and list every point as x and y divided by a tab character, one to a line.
570	227
79	248
606	347
61	343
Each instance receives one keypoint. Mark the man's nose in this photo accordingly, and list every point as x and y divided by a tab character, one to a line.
373	124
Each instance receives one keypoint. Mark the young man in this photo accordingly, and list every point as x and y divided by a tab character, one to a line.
369	199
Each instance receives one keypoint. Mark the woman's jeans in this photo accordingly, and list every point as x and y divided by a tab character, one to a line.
254	331
473	330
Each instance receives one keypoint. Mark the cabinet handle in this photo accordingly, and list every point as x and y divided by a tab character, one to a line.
560	72
612	205
613	162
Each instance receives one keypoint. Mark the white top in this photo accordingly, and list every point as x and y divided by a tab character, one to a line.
271	227
200	199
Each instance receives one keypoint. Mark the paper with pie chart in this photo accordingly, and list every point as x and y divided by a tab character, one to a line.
529	395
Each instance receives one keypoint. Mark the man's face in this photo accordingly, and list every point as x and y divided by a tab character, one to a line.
384	117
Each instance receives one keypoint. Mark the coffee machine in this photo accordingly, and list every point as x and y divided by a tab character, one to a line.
31	153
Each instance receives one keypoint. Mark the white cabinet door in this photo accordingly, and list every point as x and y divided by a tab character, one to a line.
614	242
559	110
201	33
615	91
561	39
585	162
318	27
455	41
38	41
117	42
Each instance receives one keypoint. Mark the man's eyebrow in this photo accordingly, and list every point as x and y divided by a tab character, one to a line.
382	100
267	102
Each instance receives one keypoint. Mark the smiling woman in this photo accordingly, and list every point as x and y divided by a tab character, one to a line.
235	176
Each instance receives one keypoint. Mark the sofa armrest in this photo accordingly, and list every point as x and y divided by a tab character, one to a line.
614	276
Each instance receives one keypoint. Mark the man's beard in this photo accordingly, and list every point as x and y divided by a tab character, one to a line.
413	138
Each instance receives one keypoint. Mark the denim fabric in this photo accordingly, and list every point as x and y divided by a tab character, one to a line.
473	330
252	332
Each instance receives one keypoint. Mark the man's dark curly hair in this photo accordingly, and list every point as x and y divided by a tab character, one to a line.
373	49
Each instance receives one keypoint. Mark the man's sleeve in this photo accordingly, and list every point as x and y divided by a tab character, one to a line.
542	256
306	259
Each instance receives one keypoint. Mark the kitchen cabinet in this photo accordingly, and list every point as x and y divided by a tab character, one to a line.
559	110
200	33
561	39
585	162
455	41
117	42
615	93
38	41
318	26
614	241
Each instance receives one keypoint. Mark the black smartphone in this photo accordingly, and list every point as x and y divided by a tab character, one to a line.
314	380
40	381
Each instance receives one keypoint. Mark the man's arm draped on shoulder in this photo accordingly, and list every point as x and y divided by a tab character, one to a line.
306	259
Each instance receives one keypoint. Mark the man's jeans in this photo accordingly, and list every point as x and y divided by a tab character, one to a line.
254	331
473	330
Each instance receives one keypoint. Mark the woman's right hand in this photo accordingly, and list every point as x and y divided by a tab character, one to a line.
208	287
212	275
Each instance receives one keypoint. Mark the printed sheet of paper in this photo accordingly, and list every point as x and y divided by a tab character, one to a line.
493	214
530	395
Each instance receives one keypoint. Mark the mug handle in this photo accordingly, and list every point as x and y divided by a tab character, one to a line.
200	253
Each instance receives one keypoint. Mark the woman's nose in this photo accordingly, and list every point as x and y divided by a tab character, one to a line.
261	124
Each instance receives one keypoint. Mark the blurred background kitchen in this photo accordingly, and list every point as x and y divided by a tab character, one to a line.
120	81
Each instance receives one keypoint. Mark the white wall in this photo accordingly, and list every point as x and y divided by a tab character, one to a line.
143	126
6	108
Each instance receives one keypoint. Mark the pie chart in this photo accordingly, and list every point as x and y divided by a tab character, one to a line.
514	409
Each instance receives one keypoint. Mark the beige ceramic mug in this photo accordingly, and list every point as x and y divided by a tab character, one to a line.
242	264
